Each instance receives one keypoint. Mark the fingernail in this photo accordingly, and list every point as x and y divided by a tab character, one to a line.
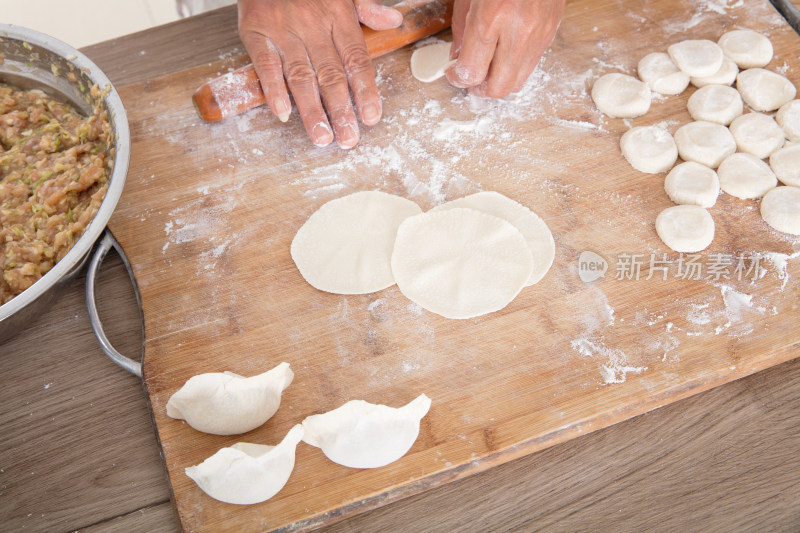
321	134
347	137
371	113
282	109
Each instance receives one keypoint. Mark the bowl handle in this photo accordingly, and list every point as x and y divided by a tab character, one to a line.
107	241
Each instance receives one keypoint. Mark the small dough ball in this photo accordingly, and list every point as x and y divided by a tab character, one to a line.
661	74
780	208
785	163
747	48
707	143
757	134
764	90
697	58
716	103
691	183
685	228
789	118
620	95
745	176
649	149
429	63
726	75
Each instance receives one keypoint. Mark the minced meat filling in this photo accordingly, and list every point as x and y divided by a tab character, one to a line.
54	171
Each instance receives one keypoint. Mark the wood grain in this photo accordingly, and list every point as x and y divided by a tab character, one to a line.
495	501
77	445
211	209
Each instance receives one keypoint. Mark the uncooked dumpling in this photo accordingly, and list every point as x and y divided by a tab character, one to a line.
715	103
788	117
247	473
661	74
460	263
707	143
726	75
785	163
764	90
345	247
229	404
757	134
649	149
533	228
429	63
691	183
745	176
620	95
747	48
685	228
364	435
780	208
697	58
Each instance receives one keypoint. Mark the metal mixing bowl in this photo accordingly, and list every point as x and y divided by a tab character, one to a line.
35	60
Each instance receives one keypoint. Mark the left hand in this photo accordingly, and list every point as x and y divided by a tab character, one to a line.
498	43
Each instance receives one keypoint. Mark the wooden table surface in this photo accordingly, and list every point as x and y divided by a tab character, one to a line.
78	451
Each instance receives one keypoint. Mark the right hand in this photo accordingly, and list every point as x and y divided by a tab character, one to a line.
317	49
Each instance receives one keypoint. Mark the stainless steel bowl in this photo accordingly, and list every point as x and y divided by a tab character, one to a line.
35	60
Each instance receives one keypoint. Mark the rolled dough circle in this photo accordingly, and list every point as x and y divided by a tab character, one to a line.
691	183
460	263
429	63
620	95
716	103
745	176
345	247
697	58
785	163
757	134
649	149
764	90
661	74
747	48
780	208
685	228
726	75
533	228
707	143
788	117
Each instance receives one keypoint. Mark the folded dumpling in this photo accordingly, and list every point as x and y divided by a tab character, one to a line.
247	473
364	435
226	403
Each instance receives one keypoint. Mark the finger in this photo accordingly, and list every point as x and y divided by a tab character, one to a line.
302	82
477	48
267	62
504	71
373	14
335	92
460	8
350	45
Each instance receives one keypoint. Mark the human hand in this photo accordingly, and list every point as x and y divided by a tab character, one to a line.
317	49
498	43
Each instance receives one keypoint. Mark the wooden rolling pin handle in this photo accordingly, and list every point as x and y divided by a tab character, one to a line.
240	90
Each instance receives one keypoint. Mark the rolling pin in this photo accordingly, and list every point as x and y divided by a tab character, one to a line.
240	90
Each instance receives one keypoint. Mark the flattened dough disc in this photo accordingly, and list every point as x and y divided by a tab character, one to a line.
429	63
345	247
533	228
460	263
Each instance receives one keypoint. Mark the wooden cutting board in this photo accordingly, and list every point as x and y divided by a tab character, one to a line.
209	212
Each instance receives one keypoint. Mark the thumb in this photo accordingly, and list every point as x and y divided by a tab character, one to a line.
373	14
